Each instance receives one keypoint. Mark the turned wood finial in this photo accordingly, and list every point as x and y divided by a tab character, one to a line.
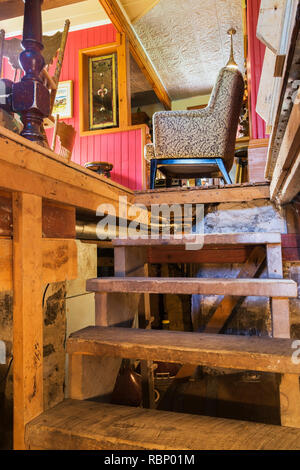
30	96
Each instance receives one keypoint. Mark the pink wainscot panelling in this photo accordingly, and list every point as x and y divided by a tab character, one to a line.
123	149
256	52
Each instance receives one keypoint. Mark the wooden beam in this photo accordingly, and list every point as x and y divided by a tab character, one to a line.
202	195
59	261
290	400
36	170
15	8
207	286
27	312
58	220
290	187
289	151
238	238
118	17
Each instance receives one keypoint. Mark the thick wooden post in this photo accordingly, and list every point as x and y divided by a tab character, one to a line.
27	312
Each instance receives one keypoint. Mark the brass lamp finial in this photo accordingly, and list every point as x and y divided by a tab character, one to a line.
231	62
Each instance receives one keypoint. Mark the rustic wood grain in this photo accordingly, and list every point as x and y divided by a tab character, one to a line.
204	195
75	425
27	312
243	238
59	261
228	351
205	286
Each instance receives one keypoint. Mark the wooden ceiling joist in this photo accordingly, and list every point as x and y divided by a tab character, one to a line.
15	8
120	20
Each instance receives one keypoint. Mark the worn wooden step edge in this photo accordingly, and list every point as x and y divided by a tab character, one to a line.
86	425
227	351
242	238
212	286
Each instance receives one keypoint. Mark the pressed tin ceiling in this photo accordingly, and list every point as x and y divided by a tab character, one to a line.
187	42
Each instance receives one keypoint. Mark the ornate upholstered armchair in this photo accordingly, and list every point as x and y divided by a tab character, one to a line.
199	143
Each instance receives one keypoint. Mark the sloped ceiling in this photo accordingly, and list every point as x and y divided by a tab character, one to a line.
135	9
187	42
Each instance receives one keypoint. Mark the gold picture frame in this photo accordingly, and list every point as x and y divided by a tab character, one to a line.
63	104
103	91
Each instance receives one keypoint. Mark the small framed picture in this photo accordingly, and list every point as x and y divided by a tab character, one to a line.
103	91
63	104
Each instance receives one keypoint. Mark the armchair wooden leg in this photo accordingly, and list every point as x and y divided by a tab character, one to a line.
223	170
153	168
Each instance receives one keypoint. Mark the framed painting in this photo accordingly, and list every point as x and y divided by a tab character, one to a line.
63	104
103	92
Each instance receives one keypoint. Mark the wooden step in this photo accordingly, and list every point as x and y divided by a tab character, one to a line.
204	195
86	425
243	238
214	350
156	285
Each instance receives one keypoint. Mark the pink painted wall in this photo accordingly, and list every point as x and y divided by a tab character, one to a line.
256	52
122	149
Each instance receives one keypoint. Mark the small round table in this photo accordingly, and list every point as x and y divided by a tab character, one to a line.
102	168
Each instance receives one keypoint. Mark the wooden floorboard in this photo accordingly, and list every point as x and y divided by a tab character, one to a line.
204	286
86	425
214	350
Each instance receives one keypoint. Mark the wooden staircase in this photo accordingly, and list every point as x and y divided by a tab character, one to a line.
95	352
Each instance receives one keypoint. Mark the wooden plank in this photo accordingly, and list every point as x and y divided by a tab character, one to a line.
290	187
269	23
124	83
257	157
27	312
290	400
213	350
243	238
6	260
34	170
202	195
289	150
241	287
85	425
59	261
5	214
58	220
280	307
217	254
115	12
225	308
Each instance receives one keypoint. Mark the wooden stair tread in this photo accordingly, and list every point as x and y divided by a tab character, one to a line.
204	195
242	238
214	350
204	286
87	425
